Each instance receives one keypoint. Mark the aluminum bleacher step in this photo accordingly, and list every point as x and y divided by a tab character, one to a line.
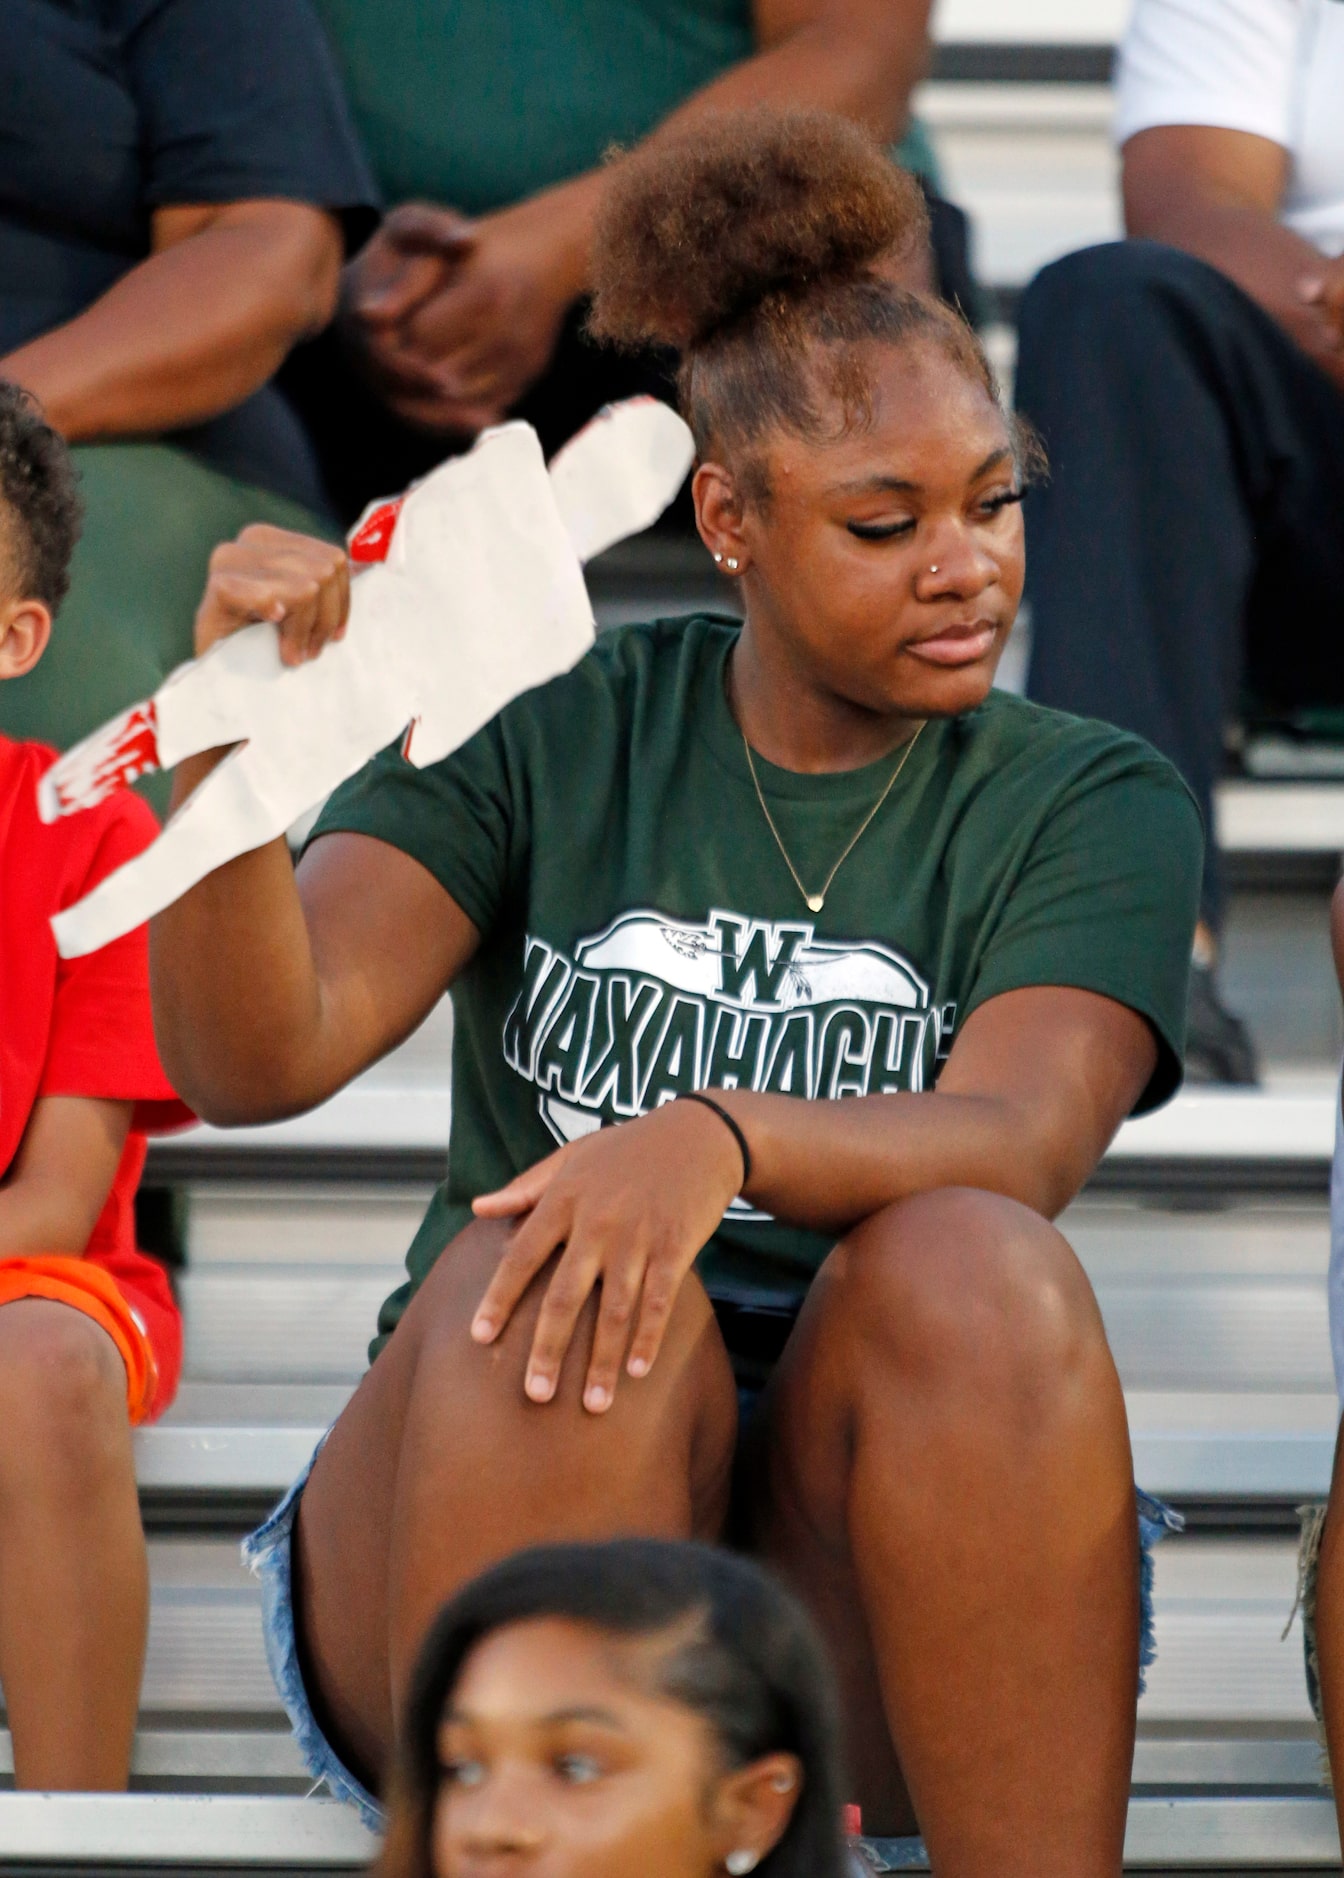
266	1759
1217	1317
1190	1833
1195	1446
281	1323
263	1758
1226	1700
148	1830
1281	817
378	1130
1234	1446
1186	1833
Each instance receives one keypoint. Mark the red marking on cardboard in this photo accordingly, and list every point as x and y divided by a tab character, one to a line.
372	539
133	751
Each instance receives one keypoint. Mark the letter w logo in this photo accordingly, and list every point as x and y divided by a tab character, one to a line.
750	973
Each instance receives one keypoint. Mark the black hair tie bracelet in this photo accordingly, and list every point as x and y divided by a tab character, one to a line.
708	1102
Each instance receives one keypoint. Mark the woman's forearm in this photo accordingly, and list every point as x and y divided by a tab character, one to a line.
192	330
273	988
828	1165
1035	1088
1217	194
860	58
237	1001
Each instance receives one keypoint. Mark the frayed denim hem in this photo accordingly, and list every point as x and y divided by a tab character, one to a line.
268	1553
1156	1520
1308	1567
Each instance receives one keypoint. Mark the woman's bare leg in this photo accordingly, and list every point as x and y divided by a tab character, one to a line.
949	1486
74	1582
1330	1625
440	1465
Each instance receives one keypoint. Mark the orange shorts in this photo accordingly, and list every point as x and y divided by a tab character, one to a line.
128	1295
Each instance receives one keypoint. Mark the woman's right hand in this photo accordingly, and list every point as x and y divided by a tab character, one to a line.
297	583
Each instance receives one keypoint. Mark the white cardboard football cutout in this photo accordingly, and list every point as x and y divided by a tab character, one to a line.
477	595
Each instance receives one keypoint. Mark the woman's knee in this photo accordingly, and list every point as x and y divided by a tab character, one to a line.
62	1393
691	1373
966	1289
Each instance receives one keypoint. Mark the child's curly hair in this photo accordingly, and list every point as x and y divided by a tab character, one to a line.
40	510
760	244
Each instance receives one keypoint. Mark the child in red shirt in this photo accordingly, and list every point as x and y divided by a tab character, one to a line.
90	1337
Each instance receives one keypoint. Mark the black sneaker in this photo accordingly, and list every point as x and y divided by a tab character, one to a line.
1218	1047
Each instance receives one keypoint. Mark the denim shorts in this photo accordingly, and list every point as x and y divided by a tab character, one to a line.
753	1345
269	1552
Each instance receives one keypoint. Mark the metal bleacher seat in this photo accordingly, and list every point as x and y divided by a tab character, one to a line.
1204	1232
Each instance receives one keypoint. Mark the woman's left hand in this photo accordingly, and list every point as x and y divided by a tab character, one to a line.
631	1206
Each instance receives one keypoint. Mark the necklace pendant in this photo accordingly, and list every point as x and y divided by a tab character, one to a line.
815	902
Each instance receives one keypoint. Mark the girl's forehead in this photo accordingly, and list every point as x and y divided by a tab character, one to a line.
538	1660
951	443
915	401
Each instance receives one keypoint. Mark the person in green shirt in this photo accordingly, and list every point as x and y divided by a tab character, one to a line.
800	979
487	123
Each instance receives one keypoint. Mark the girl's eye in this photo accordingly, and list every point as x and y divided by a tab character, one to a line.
1005	500
463	1773
880	531
578	1769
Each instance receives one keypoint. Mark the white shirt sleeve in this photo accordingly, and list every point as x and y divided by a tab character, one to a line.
1225	63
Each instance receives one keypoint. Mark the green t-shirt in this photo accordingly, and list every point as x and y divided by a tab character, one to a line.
478	103
641	934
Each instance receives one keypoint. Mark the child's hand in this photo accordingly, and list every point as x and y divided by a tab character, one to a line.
302	586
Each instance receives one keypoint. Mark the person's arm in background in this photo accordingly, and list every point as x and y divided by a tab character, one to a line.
1216	194
59	1181
195	328
459	317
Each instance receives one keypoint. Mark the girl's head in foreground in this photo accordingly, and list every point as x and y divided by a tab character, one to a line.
633	1710
854	460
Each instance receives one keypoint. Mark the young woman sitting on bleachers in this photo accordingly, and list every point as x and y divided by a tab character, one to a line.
806	858
637	1709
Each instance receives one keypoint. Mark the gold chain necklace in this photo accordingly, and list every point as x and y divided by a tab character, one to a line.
816	901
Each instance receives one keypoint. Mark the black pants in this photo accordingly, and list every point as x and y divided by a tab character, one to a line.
1188	548
365	451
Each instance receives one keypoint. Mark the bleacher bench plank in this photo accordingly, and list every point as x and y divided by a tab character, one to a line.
1185	1833
1030	22
383	1132
1187	1445
180	1829
1221	1606
1280	817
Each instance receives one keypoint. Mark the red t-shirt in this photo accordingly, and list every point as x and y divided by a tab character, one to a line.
74	1027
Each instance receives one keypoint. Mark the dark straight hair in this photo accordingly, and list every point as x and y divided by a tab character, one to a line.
747	1660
